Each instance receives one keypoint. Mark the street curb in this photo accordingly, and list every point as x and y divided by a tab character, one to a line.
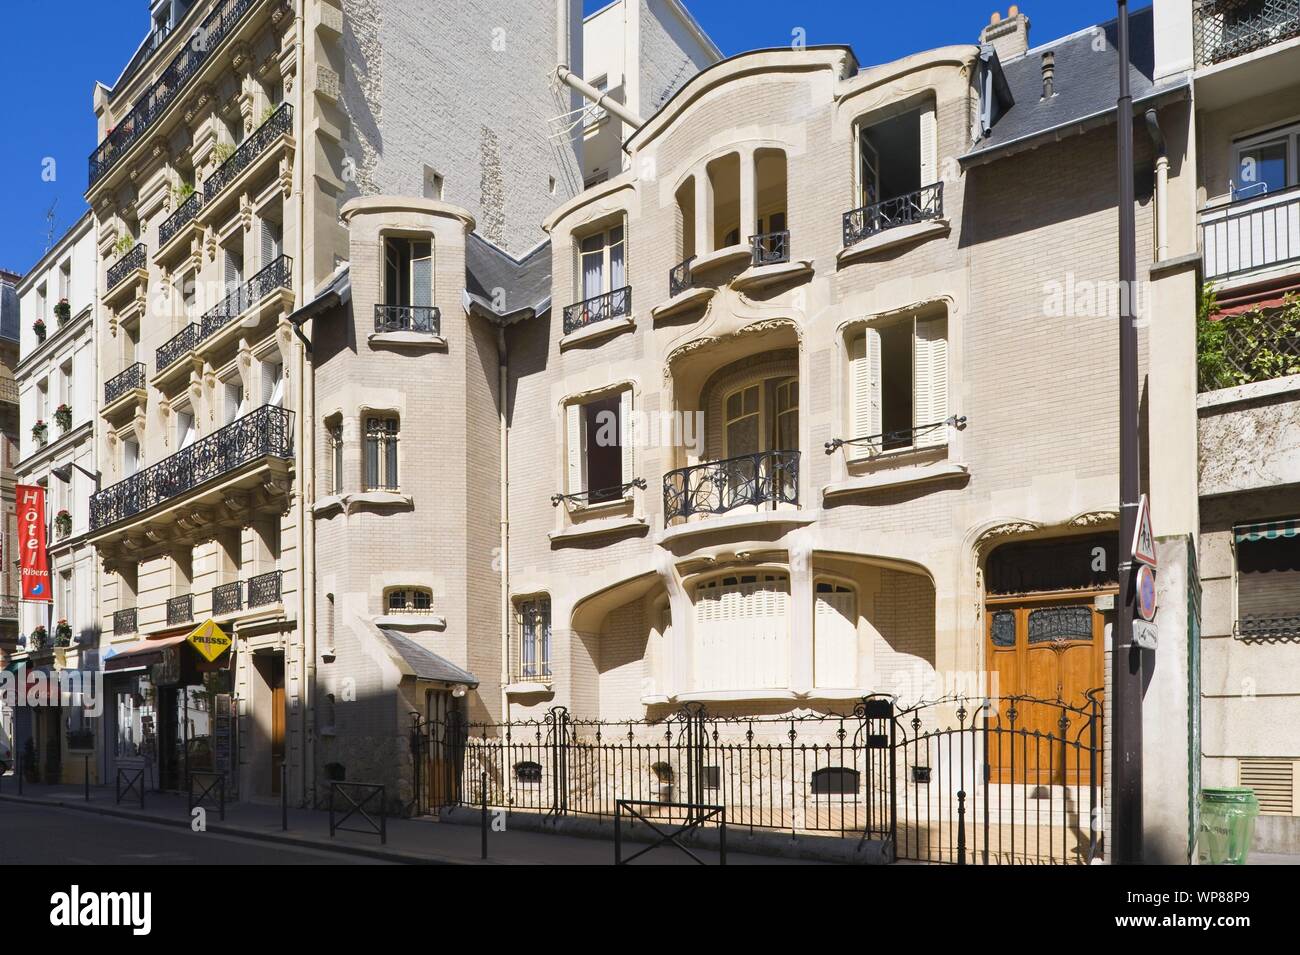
303	842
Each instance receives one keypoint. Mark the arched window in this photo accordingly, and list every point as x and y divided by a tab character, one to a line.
408	600
835	781
528	773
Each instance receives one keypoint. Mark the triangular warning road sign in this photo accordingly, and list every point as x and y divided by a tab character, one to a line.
1144	542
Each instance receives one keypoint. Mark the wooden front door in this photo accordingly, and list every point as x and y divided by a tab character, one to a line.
277	723
438	764
1049	649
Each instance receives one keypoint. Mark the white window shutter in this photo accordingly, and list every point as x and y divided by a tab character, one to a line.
931	380
929	149
864	390
573	446
627	436
268	243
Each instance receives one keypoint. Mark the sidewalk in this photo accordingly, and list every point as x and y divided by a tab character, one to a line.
421	841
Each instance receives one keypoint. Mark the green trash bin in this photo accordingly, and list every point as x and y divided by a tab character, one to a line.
1227	825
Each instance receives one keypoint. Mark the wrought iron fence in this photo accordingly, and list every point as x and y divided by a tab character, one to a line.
598	308
408	318
167	88
128	380
1251	234
279	123
182	343
265	589
128	263
1005	780
124	622
679	277
770	248
274	276
716	487
1224	29
180	609
924	204
179	219
228	598
266	432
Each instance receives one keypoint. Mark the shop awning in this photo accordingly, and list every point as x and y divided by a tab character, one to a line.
141	653
1270	531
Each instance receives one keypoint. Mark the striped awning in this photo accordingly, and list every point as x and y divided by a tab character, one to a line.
1270	531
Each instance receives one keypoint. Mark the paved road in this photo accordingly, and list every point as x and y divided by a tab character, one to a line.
40	835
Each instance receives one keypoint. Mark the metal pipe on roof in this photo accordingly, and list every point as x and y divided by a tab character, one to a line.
563	41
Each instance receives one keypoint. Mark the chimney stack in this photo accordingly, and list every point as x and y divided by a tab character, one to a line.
1010	37
1049	74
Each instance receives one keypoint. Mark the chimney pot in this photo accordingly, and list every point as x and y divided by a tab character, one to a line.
1049	74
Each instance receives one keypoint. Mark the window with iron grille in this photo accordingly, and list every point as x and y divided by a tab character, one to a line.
533	619
1268	579
409	600
381	454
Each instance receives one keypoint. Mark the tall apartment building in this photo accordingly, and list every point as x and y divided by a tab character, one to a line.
9	424
230	148
56	384
1244	60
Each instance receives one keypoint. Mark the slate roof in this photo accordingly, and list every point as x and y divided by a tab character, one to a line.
1085	84
527	281
425	664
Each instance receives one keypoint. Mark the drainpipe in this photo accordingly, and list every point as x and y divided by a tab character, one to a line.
502	393
306	467
1162	185
562	43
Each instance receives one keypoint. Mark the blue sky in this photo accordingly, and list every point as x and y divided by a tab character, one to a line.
49	75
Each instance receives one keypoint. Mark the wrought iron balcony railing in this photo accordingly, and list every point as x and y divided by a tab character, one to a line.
770	248
408	318
598	308
600	496
924	204
128	380
1225	29
168	87
180	609
276	275
228	598
8	605
264	589
1255	233
679	277
179	219
185	341
900	439
266	432
124	622
716	487
137	258
277	124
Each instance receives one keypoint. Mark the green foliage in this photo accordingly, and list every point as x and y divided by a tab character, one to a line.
182	191
124	244
222	151
1259	345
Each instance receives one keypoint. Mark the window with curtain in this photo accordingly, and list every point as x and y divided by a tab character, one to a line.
381	453
534	621
603	266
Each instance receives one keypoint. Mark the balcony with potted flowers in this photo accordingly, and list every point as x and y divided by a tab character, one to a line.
127	277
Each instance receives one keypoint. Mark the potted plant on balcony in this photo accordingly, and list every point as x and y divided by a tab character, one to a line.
63	634
62	311
38	638
221	152
123	245
63	522
39	430
182	191
38	327
63	416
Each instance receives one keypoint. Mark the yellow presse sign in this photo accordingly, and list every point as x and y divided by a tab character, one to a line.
209	640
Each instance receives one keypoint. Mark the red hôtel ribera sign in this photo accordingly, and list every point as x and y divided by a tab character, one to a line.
35	565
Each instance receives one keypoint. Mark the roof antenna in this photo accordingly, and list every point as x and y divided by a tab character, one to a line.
49	225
